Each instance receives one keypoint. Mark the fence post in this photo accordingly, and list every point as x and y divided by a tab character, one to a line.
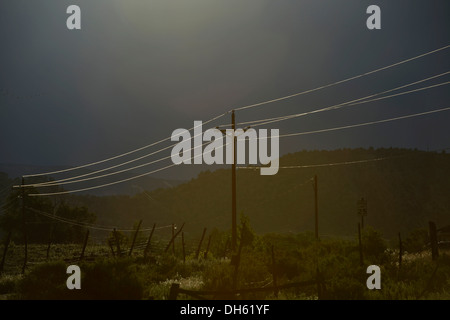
207	247
84	244
116	237
200	244
400	251
182	243
134	238
174	291
361	259
274	274
111	247
173	237
5	251
147	247
433	240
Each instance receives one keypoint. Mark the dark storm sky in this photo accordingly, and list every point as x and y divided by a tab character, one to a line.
140	69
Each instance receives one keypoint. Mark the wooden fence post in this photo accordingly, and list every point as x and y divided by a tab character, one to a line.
274	274
116	237
182	243
200	244
111	247
207	247
5	251
173	238
84	244
361	259
433	240
134	238
174	291
147	247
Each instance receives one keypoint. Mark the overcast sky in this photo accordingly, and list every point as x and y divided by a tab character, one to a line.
139	69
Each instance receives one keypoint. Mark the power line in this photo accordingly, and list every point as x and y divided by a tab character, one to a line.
326	164
108	174
362	100
87	225
110	183
242	108
120	155
359	124
402	93
341	81
279	136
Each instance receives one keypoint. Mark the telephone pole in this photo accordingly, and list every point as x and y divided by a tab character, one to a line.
233	183
233	187
24	228
316	208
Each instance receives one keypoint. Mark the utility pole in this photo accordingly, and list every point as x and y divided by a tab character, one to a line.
233	184
233	187
316	208
24	228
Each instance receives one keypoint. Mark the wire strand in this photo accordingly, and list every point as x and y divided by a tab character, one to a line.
120	155
341	81
361	100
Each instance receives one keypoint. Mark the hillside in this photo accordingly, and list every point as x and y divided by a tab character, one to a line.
404	190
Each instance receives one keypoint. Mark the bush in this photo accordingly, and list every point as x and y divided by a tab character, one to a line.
106	279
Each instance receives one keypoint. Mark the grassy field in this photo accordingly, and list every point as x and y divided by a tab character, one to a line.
297	258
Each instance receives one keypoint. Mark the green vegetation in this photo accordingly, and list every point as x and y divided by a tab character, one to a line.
298	257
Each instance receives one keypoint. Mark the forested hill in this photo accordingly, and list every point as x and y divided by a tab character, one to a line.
404	189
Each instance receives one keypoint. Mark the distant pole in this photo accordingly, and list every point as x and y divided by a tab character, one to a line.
361	259
316	208
433	240
25	237
184	251
233	187
173	242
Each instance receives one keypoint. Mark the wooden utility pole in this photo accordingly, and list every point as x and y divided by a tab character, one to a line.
361	259
173	242
433	240
233	187
233	183
316	209
25	237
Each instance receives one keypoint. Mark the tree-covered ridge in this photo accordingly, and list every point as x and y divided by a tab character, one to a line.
404	189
